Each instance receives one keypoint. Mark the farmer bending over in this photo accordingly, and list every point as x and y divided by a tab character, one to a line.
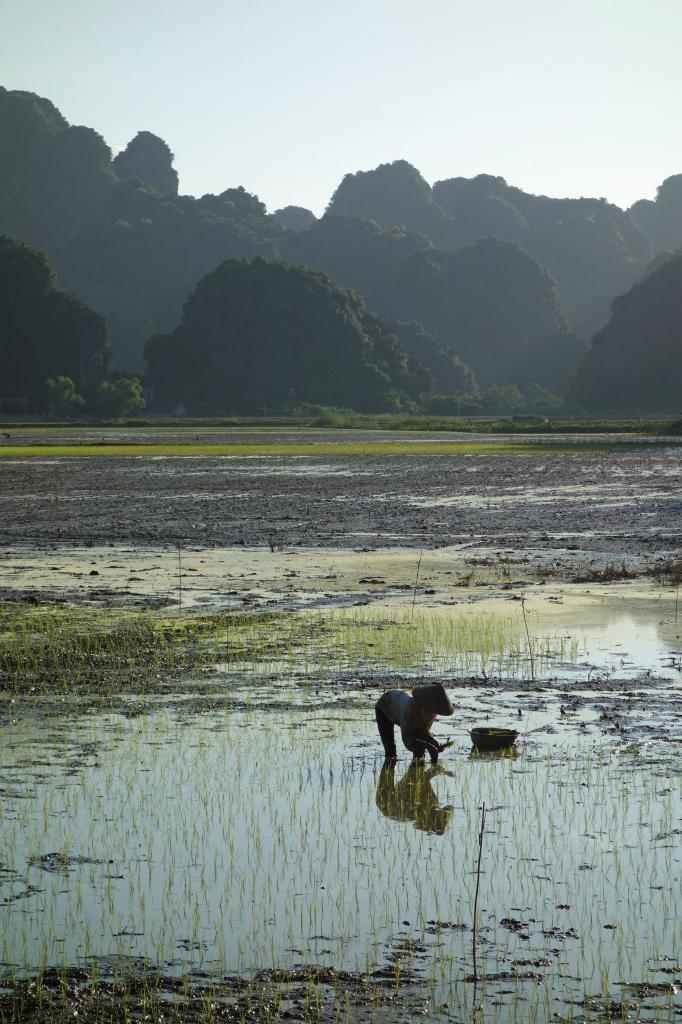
415	715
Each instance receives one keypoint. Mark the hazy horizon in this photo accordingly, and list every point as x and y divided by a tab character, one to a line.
285	100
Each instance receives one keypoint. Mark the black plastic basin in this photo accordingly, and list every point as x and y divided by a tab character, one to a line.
492	738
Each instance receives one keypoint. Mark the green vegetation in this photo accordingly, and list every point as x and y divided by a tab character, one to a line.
119	397
314	449
62	397
259	333
315	416
45	334
64	650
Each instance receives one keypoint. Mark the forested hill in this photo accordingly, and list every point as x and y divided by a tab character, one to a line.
138	264
661	218
262	334
505	279
593	249
635	362
45	333
55	178
490	302
121	237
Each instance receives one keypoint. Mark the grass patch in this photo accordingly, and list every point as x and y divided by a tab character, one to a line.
490	424
313	449
63	650
611	573
668	572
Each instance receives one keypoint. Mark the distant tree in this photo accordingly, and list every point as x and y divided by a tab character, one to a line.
62	399
119	397
538	399
504	400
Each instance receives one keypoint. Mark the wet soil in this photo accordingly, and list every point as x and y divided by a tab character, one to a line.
619	504
313	994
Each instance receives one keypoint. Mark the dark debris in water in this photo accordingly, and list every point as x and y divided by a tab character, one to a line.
436	927
474	979
62	862
559	933
519	928
648	989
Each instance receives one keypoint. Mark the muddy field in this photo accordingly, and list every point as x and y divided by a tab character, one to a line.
622	504
203	828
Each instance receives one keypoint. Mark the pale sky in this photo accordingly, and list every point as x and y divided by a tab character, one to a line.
560	97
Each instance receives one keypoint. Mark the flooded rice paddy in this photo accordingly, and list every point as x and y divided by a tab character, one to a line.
235	841
197	822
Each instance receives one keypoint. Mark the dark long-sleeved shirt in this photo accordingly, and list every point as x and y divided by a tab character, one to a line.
413	720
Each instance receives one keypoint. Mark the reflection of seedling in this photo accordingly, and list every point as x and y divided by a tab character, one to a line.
669	573
478	883
505	567
530	645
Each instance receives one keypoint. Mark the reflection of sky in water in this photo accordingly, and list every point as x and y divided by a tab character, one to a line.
242	841
625	646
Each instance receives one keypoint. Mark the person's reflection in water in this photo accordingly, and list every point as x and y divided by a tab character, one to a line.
413	798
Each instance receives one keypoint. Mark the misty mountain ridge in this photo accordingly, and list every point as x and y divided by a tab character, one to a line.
504	280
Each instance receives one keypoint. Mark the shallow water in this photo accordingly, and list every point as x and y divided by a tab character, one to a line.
237	841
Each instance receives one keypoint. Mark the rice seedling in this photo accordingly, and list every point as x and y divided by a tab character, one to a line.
74	650
310	449
222	862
